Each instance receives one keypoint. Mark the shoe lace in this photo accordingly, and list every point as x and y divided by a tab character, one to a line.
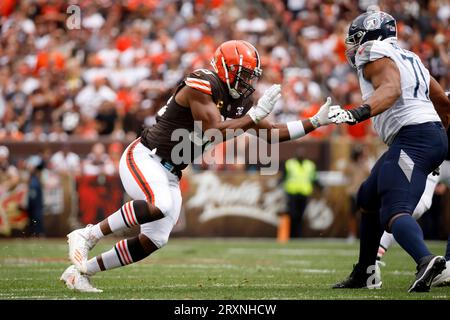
90	242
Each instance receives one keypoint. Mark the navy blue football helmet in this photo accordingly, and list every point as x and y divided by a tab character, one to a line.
371	25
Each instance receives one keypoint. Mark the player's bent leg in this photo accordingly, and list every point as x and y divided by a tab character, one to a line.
411	158
132	213
123	253
146	181
154	235
410	237
423	206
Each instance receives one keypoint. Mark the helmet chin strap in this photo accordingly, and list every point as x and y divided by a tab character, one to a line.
233	91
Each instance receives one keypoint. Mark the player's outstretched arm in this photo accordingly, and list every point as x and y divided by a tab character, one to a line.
205	110
296	129
384	76
440	101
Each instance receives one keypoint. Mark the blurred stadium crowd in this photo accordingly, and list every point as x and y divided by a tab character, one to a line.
110	76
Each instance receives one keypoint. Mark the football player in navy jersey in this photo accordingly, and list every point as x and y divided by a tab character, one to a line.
401	98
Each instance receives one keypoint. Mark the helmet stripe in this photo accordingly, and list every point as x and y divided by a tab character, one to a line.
258	61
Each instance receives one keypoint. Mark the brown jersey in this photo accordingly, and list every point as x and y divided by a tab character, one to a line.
173	116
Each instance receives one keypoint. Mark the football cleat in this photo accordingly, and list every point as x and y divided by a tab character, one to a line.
443	279
359	279
429	267
80	242
74	280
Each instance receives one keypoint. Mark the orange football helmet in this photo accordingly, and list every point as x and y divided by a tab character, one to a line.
237	63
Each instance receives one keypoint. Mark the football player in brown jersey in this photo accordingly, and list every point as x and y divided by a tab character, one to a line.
217	99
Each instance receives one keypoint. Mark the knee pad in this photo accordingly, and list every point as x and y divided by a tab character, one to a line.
158	231
164	205
161	241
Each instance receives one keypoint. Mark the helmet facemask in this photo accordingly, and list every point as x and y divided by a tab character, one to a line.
245	81
241	81
352	43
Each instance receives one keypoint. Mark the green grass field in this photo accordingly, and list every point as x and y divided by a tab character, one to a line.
210	269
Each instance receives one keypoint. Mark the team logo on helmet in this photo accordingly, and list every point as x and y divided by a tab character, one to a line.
373	21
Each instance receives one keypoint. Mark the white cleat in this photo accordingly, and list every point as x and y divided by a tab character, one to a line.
68	277
443	279
80	242
74	280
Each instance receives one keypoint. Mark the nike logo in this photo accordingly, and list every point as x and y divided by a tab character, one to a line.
360	50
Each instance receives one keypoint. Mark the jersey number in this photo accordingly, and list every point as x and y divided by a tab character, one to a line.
413	61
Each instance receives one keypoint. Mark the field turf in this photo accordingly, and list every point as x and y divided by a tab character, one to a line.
210	269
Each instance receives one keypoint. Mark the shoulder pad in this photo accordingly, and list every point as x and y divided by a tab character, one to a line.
207	82
199	80
371	51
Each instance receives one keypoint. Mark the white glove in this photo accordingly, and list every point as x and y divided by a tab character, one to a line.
338	115
265	103
321	118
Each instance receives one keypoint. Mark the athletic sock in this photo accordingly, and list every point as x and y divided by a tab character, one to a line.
92	266
123	218
130	214
96	231
123	253
116	257
387	239
370	239
410	237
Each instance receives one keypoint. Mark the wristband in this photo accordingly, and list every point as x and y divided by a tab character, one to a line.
295	129
361	113
252	114
315	122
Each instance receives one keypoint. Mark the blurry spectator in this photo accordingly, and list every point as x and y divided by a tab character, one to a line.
299	175
106	119
356	172
66	161
35	196
98	162
91	97
116	74
115	151
252	23
9	176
